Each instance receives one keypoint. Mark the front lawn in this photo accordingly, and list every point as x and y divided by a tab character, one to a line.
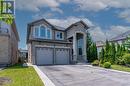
120	68
21	76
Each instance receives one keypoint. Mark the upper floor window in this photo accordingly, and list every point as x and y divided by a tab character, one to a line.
36	31
48	33
42	32
59	35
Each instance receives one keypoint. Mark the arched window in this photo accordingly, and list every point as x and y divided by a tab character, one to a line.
36	31
48	33
42	31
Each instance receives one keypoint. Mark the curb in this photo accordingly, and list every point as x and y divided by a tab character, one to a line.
112	70
44	78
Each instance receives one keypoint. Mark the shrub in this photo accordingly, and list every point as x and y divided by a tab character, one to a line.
120	61
107	65
101	65
126	58
95	63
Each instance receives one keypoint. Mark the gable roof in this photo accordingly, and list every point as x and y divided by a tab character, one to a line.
59	28
122	36
54	26
75	24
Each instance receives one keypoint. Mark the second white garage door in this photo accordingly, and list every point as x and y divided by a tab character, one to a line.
62	56
44	56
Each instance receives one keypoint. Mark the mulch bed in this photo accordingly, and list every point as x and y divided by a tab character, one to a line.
4	80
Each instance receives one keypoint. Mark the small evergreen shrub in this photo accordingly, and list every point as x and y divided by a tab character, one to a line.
95	63
120	61
126	58
101	65
107	65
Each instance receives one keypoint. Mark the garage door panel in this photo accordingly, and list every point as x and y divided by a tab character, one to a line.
44	56
62	56
49	55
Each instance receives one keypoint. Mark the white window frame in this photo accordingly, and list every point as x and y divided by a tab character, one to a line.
39	31
50	33
57	37
34	28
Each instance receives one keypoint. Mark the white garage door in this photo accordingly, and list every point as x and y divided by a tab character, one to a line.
62	56
44	56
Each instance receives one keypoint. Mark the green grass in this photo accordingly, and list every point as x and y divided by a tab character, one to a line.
21	76
120	68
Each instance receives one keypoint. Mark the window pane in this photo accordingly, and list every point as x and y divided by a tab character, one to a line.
36	31
60	35
80	51
42	31
48	33
57	35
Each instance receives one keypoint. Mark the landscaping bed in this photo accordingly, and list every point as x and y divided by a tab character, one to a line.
18	75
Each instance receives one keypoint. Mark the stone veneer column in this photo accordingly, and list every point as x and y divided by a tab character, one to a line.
84	47
74	48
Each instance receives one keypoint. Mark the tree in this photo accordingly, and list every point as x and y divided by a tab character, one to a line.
88	46
127	44
93	53
113	53
107	51
91	49
119	49
101	56
123	47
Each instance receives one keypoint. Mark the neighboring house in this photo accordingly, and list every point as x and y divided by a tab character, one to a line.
99	45
49	44
23	55
118	39
121	38
8	43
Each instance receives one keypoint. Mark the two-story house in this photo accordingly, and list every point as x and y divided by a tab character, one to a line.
9	39
50	44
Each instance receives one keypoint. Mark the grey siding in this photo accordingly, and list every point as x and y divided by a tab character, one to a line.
79	27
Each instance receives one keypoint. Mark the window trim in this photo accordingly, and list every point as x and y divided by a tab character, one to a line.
39	32
34	32
50	33
59	34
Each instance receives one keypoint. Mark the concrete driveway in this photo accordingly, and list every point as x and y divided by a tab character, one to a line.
83	75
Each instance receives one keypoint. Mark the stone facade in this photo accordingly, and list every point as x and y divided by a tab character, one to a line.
34	44
68	33
72	32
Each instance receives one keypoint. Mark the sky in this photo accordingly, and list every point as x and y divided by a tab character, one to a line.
106	18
